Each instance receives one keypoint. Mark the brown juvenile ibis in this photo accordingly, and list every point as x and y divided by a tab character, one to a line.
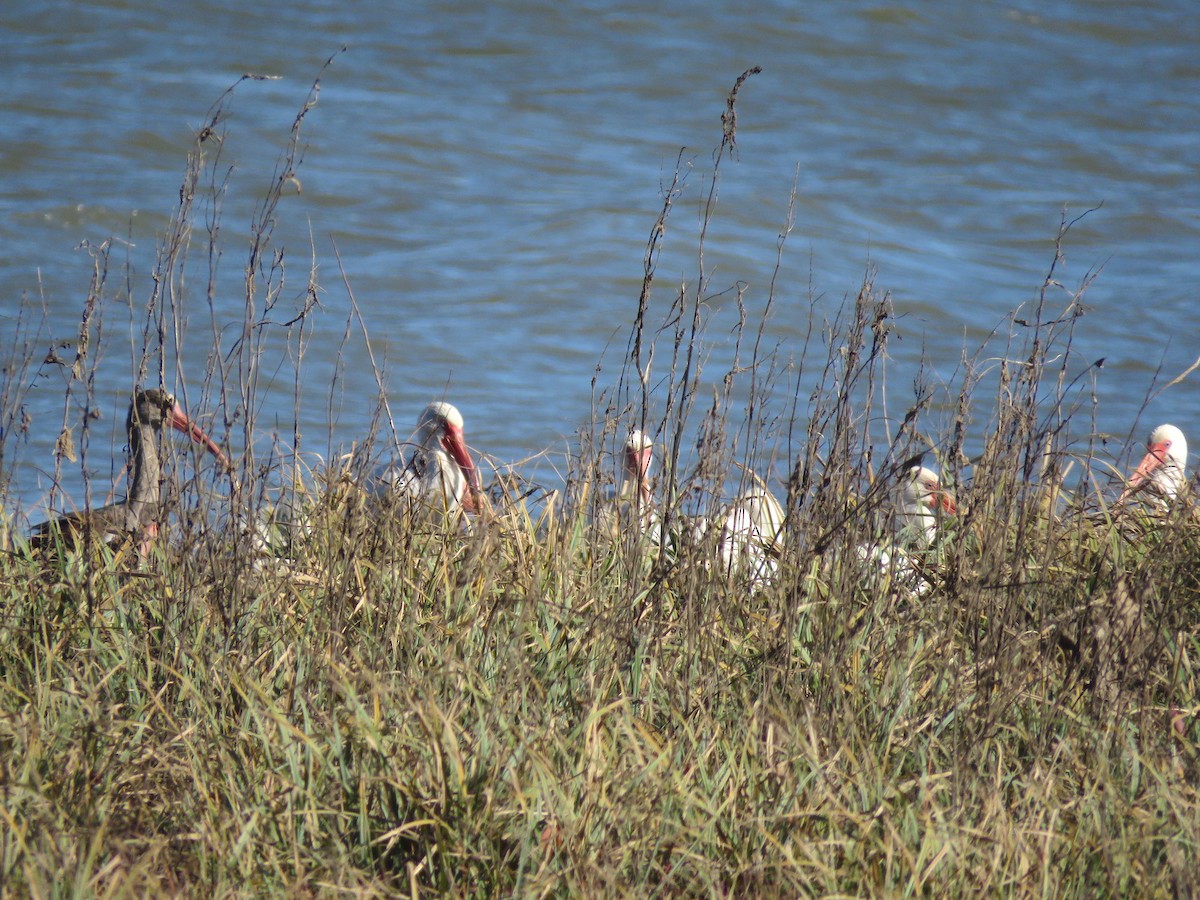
142	510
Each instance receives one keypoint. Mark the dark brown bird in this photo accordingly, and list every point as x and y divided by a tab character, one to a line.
141	511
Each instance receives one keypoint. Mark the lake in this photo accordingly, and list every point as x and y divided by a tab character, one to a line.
481	180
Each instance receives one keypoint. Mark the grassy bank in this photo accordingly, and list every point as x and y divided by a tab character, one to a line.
378	706
520	711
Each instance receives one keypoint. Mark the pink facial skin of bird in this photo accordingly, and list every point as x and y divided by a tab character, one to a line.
938	497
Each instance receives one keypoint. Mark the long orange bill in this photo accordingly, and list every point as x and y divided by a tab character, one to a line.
181	422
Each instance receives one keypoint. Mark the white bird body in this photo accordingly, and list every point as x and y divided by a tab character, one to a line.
919	503
751	536
1163	469
438	473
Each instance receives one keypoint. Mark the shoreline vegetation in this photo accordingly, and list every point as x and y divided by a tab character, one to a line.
295	690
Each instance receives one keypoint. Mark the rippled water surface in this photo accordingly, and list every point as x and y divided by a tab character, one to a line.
482	180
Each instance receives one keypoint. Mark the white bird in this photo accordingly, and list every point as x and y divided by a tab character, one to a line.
1163	468
631	504
635	474
919	502
751	536
438	474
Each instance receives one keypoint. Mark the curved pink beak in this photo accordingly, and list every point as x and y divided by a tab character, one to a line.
453	443
944	499
1155	458
181	422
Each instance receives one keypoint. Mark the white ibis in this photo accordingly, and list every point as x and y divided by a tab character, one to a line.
630	509
751	536
635	474
1163	468
438	473
141	511
919	502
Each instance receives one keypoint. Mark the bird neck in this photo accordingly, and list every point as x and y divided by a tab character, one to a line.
915	520
1169	478
451	480
145	489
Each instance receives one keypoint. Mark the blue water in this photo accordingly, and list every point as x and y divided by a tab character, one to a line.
483	179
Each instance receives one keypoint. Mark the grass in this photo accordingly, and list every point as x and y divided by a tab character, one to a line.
380	706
